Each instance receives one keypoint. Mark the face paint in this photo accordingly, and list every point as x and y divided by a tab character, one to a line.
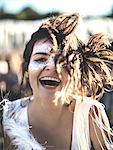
35	65
40	48
42	64
50	62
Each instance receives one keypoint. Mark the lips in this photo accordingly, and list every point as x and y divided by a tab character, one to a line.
49	81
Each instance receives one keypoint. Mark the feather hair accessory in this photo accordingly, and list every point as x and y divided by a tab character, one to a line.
97	65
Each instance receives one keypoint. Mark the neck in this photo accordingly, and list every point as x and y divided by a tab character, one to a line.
41	112
50	122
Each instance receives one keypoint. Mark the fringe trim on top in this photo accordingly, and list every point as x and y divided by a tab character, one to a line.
81	136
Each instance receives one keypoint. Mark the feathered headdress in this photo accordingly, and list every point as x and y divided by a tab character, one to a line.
96	62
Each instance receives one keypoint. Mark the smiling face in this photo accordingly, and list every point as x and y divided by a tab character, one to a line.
44	79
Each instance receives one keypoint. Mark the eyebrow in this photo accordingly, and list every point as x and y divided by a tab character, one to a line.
41	53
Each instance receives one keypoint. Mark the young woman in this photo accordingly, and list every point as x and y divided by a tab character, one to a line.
67	78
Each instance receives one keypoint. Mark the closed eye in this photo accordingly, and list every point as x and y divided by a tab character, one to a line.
41	60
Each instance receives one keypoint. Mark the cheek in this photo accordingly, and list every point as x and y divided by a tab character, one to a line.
34	70
65	76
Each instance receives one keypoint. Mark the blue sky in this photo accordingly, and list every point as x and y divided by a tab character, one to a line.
84	7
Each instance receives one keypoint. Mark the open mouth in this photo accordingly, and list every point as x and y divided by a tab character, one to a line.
49	81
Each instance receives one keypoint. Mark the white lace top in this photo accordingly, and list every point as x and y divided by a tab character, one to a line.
15	123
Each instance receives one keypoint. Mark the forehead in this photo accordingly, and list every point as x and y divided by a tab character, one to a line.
44	45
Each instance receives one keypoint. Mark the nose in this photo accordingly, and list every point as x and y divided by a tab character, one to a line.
50	63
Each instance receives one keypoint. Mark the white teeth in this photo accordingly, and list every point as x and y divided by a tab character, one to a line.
50	78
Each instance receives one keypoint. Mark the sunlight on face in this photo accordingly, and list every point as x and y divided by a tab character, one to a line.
43	77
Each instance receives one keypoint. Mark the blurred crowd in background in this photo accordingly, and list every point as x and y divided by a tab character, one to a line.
10	76
9	84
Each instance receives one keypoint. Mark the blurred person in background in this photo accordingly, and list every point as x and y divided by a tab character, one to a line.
9	86
9	81
67	78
